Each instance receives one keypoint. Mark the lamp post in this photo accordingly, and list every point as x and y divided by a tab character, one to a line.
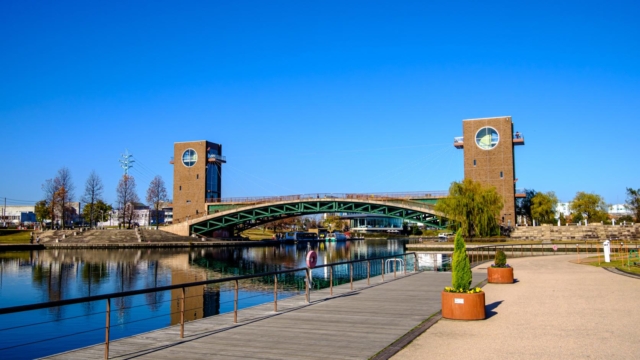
102	212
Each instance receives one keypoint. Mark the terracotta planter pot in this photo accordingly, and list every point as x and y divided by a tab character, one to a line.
457	306
500	275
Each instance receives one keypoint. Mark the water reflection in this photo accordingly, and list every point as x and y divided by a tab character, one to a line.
50	275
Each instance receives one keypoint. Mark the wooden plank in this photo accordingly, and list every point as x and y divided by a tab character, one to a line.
348	325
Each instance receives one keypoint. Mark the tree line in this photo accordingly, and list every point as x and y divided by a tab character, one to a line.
475	208
59	193
541	207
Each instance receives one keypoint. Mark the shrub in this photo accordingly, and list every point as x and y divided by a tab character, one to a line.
460	267
501	259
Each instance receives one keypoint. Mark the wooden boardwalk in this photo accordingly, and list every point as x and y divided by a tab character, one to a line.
348	325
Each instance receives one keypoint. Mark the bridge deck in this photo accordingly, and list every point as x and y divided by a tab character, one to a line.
349	325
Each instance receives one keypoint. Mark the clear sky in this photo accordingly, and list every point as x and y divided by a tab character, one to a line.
330	96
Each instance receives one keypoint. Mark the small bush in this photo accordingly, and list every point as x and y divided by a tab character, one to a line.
460	268
501	259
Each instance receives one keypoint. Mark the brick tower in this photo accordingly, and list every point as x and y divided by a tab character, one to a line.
197	175
488	145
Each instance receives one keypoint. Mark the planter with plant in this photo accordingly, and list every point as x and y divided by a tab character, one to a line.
459	302
500	272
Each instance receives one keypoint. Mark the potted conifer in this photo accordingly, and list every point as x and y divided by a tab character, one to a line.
458	301
500	272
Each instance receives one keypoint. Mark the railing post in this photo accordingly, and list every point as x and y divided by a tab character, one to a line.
395	262
368	272
415	262
404	258
331	280
382	264
307	285
182	312
235	305
107	329
351	275
275	293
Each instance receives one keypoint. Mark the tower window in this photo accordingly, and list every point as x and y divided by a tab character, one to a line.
501	175
474	162
180	187
188	201
197	176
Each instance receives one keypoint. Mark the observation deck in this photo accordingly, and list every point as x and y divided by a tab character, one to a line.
212	158
517	139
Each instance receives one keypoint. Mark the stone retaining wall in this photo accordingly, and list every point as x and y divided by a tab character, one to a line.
589	232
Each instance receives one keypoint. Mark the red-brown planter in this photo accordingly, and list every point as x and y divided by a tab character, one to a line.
458	306
500	275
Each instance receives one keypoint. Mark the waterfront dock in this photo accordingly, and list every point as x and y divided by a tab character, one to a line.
350	324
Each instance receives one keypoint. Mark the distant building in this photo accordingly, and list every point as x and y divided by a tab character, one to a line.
143	215
17	215
372	222
563	208
618	210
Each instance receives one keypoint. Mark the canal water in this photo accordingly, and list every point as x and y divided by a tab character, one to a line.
48	275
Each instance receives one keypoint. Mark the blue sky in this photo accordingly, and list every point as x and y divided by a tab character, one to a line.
334	96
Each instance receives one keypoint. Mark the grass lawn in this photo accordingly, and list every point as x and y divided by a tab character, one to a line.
14	236
620	264
257	234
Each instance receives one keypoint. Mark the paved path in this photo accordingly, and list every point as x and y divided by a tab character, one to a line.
557	310
349	325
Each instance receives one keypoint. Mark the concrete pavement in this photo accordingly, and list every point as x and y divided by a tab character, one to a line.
557	309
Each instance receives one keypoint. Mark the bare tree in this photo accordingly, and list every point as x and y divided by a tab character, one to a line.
126	199
92	193
64	184
50	190
156	194
59	193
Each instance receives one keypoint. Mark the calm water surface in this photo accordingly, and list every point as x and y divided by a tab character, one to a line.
50	275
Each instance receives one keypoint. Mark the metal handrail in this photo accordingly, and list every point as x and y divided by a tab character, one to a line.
331	196
235	279
38	306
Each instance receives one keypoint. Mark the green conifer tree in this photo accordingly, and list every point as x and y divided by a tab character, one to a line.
460	267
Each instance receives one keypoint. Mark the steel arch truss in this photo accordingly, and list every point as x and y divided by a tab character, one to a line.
244	219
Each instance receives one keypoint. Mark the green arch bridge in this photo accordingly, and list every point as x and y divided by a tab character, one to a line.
236	215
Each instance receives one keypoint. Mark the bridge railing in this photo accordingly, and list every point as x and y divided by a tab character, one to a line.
298	280
325	196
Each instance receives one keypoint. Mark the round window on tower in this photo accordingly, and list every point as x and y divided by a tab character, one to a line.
487	138
189	157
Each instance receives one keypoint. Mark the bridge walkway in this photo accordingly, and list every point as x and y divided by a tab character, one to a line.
348	325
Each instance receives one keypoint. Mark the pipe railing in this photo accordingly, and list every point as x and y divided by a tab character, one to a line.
479	254
330	196
308	286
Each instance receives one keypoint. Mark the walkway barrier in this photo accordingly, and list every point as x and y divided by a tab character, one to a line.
619	251
284	283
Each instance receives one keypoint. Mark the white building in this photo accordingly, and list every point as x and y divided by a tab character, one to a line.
618	210
563	208
17	214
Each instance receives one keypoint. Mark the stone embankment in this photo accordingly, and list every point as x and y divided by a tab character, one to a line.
114	238
590	232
